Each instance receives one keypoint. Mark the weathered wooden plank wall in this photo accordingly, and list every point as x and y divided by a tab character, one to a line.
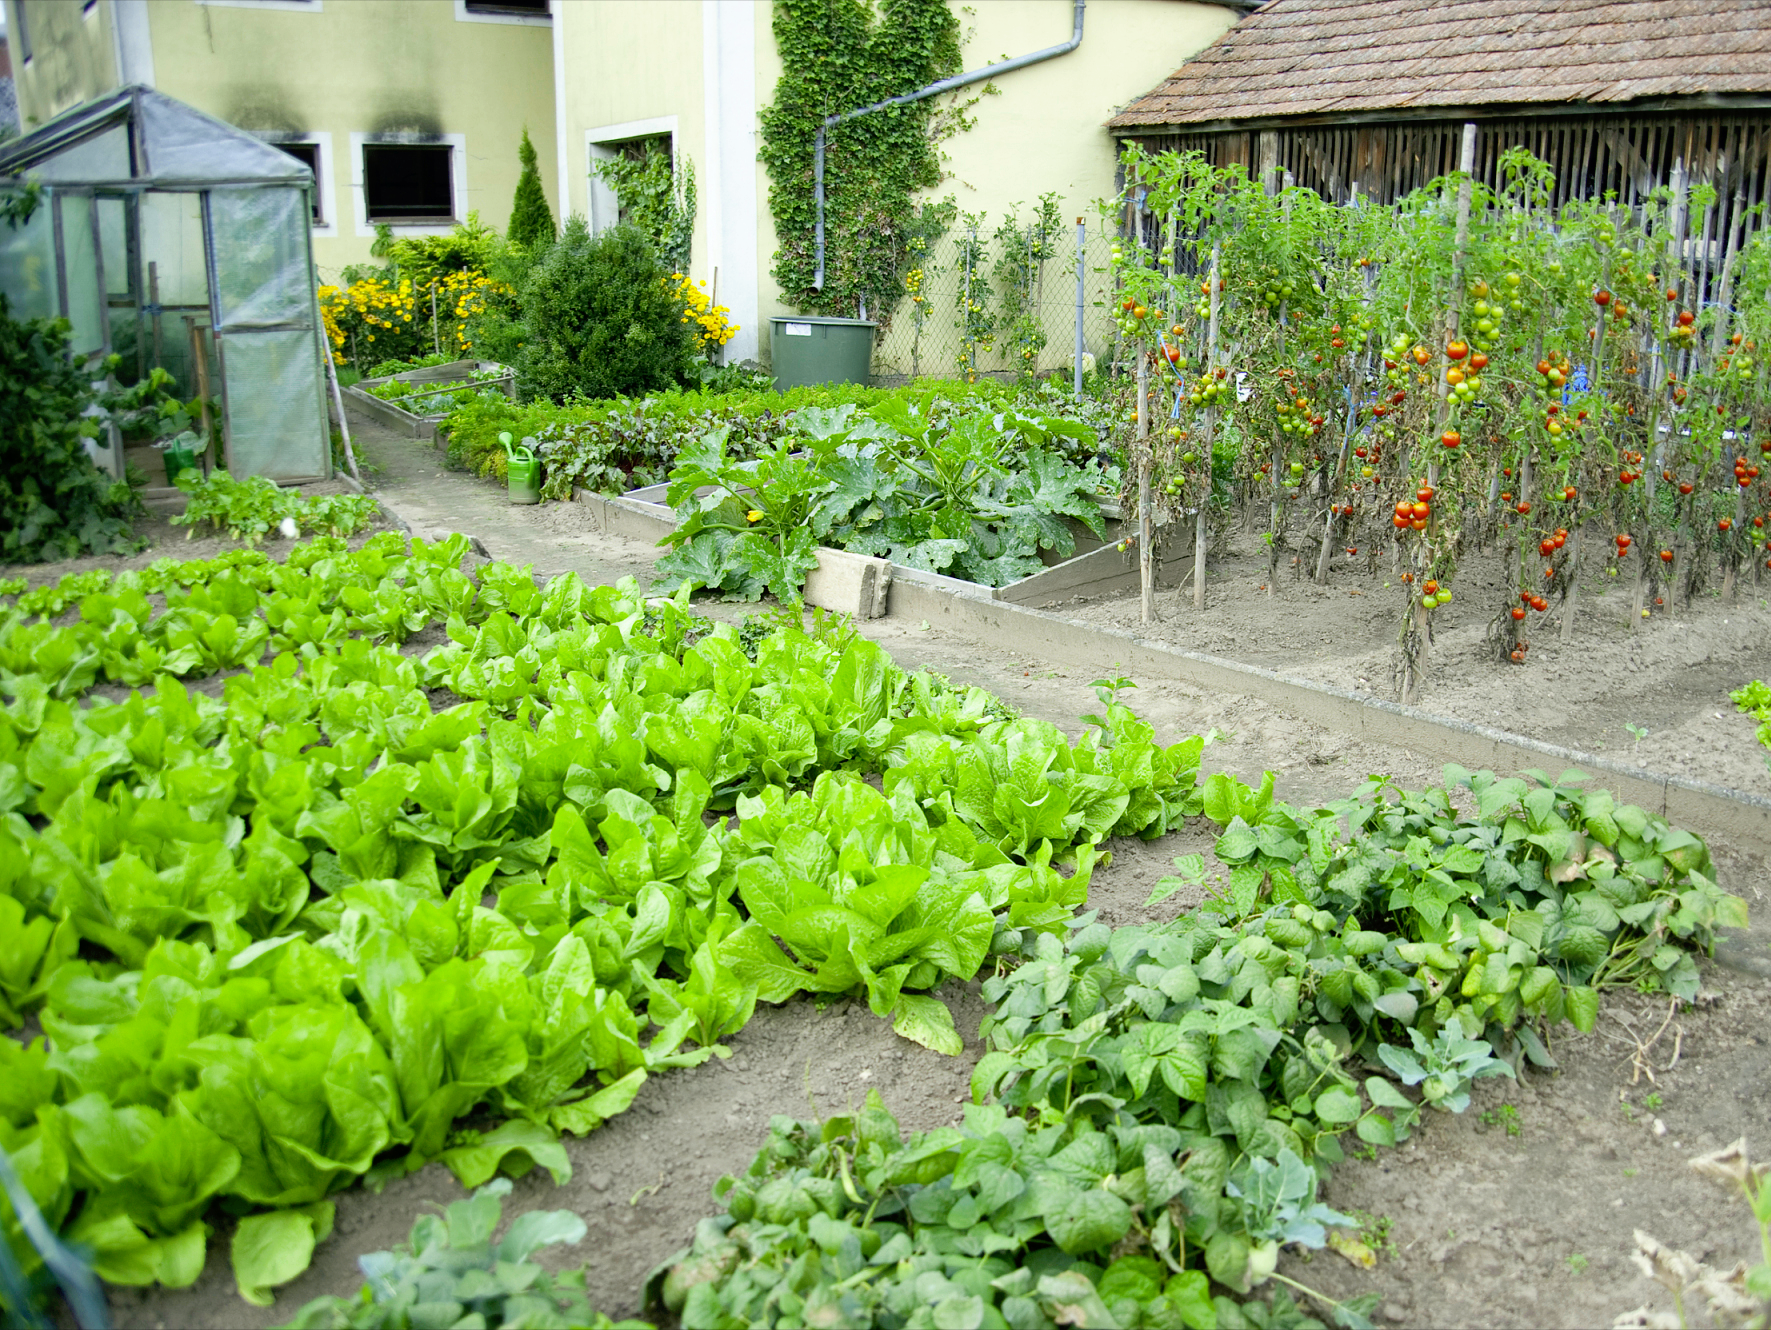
1592	155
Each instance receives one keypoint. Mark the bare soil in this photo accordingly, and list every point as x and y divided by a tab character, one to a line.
1473	1225
1669	674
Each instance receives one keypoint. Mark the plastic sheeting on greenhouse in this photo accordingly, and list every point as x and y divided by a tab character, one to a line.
174	240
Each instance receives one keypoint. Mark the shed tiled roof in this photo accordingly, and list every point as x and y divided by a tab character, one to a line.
1340	57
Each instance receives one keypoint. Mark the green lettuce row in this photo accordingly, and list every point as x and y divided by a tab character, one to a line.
286	938
1158	1105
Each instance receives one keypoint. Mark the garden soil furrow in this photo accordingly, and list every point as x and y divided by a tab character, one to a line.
1670	677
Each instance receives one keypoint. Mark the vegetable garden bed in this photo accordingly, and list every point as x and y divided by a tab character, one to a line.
513	652
417	401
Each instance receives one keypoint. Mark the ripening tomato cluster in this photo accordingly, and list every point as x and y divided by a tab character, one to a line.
1413	514
1297	416
1209	389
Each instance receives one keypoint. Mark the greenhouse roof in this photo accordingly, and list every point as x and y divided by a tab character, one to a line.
136	136
1332	59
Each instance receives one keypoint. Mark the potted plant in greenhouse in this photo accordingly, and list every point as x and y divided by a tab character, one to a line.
522	470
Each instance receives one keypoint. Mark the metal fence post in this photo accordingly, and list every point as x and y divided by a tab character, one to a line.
1081	260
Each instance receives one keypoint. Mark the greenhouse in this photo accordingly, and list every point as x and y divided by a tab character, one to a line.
176	241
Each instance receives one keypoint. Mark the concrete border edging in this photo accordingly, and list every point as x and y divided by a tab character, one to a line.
1741	816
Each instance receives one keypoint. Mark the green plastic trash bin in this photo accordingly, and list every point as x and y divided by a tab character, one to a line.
809	349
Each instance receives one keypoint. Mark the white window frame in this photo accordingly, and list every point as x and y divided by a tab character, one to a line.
457	144
599	145
325	179
465	15
287	6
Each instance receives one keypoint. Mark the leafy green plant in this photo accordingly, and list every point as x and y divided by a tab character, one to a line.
746	526
656	194
837	57
433	399
615	445
905	480
248	510
1164	1100
1443	1066
451	1272
1755	700
1506	1116
599	319
54	502
333	881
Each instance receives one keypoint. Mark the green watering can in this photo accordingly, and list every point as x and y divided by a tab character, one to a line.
522	470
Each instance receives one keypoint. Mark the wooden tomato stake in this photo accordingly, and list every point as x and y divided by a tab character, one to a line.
1568	603
1340	469
1571	597
1211	418
1417	649
1146	569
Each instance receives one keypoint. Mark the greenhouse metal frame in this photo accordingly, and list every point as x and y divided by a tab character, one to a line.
172	239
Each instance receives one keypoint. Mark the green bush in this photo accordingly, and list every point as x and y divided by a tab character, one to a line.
54	503
600	320
531	221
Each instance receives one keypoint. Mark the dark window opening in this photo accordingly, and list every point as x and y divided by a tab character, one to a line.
408	183
527	7
308	154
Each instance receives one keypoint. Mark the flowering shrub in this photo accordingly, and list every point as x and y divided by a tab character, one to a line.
469	294
707	320
374	319
371	319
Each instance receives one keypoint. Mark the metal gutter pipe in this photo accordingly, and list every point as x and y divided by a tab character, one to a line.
932	90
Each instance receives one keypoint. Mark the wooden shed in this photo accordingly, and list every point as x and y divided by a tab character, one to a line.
1372	97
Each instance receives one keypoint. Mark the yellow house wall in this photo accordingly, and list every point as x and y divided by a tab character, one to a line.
638	62
72	58
337	68
367	67
628	67
1043	130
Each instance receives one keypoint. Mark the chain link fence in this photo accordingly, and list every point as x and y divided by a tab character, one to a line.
1001	302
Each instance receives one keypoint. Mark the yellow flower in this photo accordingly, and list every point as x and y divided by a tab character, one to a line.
754	515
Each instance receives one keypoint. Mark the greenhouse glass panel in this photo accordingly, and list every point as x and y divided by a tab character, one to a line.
260	243
113	234
27	267
86	307
102	157
172	240
276	423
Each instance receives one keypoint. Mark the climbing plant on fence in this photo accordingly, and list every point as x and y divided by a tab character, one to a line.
837	55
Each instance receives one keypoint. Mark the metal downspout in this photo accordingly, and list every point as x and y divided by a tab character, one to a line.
932	90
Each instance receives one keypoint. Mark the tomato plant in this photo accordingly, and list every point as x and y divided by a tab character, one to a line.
1559	375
